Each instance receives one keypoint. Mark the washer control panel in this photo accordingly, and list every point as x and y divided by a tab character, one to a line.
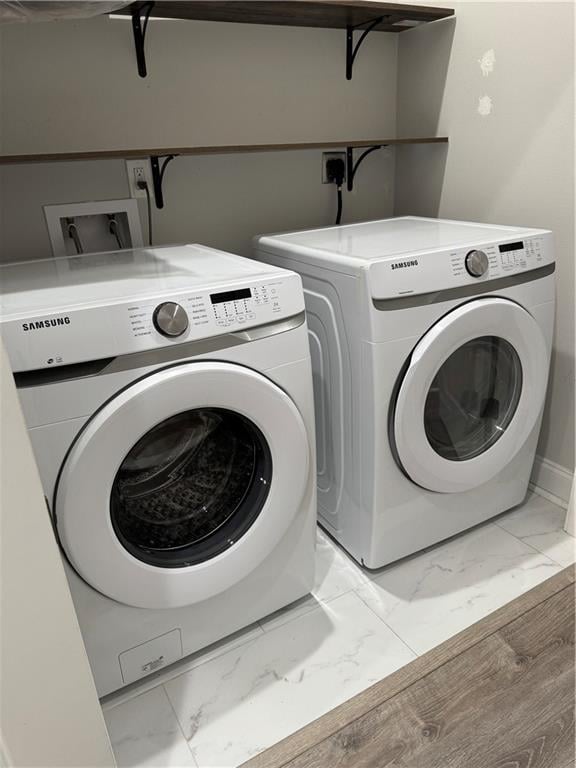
208	313
71	335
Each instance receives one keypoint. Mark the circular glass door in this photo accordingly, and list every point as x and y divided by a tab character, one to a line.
471	393
182	484
473	398
191	487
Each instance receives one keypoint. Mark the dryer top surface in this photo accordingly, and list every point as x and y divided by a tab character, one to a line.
106	278
363	243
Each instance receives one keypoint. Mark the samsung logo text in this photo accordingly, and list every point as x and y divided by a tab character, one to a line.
403	264
52	323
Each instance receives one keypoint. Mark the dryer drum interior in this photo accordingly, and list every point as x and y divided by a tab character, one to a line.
191	487
473	398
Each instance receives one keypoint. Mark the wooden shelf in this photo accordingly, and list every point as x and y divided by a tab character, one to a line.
332	14
225	149
361	16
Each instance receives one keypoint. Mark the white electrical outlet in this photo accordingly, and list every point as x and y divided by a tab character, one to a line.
138	170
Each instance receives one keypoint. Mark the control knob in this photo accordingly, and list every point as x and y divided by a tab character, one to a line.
170	319
476	263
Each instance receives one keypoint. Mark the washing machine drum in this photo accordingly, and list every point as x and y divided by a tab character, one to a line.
182	484
470	396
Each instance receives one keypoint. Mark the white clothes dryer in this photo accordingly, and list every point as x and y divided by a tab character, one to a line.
431	343
168	397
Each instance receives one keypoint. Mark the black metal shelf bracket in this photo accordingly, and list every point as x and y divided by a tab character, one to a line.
351	49
140	17
352	167
158	172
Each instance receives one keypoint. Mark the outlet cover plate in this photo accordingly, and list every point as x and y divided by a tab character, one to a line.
138	169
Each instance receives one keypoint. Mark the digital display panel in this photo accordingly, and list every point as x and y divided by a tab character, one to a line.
511	247
220	298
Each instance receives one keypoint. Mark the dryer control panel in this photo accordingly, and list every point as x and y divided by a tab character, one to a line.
499	259
476	263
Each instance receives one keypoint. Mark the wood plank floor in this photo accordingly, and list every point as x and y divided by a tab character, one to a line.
498	695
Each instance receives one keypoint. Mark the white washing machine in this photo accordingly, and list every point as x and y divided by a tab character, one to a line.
431	344
168	396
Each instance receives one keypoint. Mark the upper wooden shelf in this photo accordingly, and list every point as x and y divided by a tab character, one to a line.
334	14
362	16
55	157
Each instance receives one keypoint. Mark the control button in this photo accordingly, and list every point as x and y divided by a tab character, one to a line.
170	319
476	263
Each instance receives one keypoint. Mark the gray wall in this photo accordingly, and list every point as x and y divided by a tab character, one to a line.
73	86
512	166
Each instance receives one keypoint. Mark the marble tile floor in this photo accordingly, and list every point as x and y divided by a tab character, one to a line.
226	704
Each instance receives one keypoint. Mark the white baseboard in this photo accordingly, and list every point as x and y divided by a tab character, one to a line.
552	480
548	496
570	526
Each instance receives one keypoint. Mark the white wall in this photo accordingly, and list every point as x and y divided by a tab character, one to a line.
513	166
73	86
51	716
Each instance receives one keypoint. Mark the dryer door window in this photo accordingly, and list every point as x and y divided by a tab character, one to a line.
191	487
473	398
471	393
182	484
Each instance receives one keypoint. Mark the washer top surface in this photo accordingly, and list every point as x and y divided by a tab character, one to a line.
106	278
375	240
